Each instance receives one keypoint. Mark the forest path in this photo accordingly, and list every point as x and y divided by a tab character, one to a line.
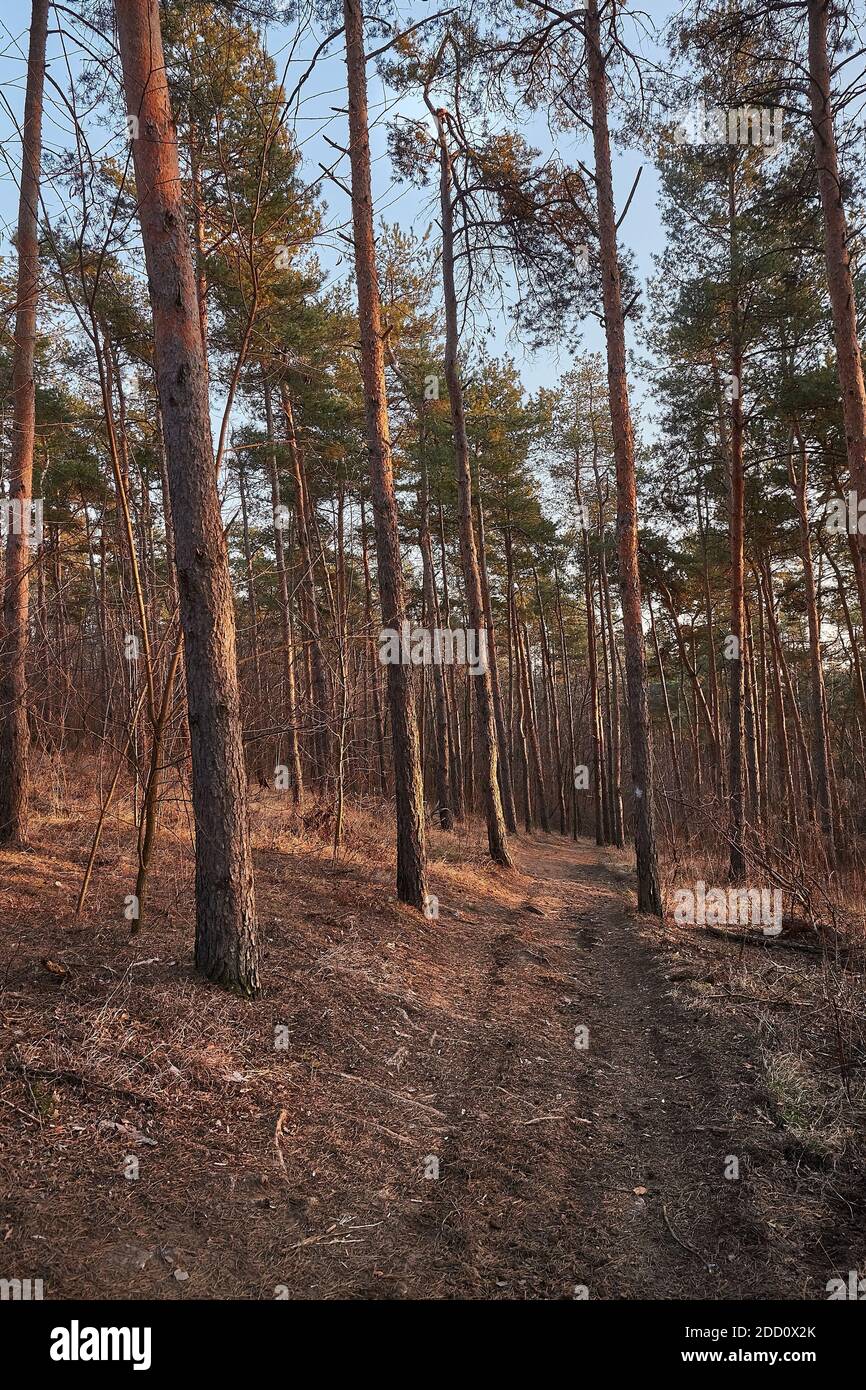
601	1167
660	1096
413	1048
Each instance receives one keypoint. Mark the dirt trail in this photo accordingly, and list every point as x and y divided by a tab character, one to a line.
414	1048
668	1103
605	1167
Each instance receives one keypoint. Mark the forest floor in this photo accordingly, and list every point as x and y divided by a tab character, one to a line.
287	1147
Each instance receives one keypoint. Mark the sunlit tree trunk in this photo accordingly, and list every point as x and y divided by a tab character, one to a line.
648	889
226	945
486	726
849	362
506	786
14	722
411	887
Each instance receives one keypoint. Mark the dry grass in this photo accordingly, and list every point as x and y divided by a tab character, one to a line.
303	1166
808	1003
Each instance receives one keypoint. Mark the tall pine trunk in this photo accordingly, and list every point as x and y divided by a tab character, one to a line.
321	711
14	723
737	535
444	808
849	363
648	889
226	948
409	788
485	719
290	696
378	719
455	742
592	657
798	478
506	784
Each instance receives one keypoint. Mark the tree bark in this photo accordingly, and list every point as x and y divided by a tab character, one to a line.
321	711
454	738
254	718
735	658
675	762
409	790
374	675
849	363
485	722
552	708
798	478
522	635
615	743
782	740
569	703
14	722
226	948
737	533
592	655
648	889
291	714
440	700
506	784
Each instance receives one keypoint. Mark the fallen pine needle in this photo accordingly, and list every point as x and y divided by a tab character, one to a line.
691	1249
278	1134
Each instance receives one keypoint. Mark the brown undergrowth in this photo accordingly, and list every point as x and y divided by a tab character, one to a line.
289	1146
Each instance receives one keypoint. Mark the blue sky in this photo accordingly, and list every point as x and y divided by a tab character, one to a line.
316	122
